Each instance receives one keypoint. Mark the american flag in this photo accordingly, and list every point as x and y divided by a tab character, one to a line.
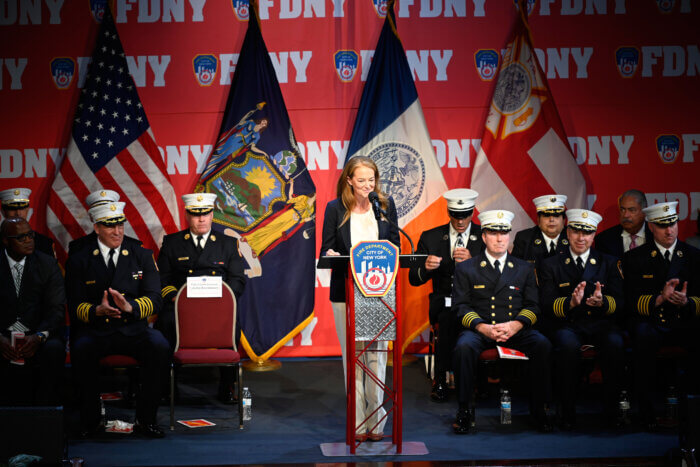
112	147
524	151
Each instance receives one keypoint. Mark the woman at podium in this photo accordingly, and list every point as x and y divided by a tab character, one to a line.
350	219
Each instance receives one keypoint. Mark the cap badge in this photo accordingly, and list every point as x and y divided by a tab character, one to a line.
200	197
482	264
584	214
553	199
16	192
103	193
112	208
500	215
460	202
667	207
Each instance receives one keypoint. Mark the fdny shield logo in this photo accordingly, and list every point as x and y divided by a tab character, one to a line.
665	6
530	5
241	8
62	72
381	7
374	266
486	62
97	8
346	64
205	67
627	59
668	147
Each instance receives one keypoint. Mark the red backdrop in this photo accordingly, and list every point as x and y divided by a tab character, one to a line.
614	112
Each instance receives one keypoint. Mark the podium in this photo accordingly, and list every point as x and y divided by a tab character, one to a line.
373	314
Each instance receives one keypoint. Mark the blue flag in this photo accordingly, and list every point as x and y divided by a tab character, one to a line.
265	198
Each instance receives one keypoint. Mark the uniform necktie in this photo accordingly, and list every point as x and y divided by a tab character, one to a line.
18	276
497	266
552	247
111	267
667	256
579	263
633	242
459	244
199	243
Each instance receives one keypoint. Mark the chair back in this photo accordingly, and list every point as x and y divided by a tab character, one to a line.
205	322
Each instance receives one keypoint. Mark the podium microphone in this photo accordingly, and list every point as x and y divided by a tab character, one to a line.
379	212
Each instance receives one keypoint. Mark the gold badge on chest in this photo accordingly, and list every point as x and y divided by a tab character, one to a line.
510	265
125	252
592	261
568	260
95	252
538	241
482	264
653	254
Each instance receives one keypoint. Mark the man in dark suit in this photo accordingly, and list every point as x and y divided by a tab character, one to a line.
197	251
33	301
662	291
15	203
495	299
96	198
544	239
631	232
113	288
452	243
581	293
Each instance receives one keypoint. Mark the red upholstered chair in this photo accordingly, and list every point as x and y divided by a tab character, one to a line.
205	337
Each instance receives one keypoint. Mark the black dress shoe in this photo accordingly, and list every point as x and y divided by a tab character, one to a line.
464	422
149	430
542	421
439	391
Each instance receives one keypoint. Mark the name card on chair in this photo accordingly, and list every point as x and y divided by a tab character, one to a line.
204	287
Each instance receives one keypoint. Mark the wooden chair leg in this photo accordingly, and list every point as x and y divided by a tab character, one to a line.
172	396
240	395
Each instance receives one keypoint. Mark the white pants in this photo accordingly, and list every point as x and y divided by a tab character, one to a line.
368	395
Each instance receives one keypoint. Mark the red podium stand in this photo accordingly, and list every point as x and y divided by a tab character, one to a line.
369	320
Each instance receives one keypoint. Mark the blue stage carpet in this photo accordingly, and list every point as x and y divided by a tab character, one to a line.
302	405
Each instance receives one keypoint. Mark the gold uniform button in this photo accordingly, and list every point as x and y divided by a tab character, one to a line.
106	320
663	320
493	314
213	273
510	314
589	313
661	315
493	322
190	271
510	306
493	298
510	298
493	306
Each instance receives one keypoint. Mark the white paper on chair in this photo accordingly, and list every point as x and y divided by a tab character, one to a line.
204	287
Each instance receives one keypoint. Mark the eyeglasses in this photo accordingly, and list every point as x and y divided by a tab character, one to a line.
23	237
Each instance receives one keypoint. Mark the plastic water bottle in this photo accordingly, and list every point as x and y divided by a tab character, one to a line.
103	412
506	418
247	404
671	406
624	408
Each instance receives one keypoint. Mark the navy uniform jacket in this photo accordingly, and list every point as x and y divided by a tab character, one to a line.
81	242
559	276
42	299
136	277
609	241
481	296
337	237
529	244
178	259
437	242
646	272
44	244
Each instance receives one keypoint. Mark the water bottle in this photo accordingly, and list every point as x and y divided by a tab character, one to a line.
624	408
247	404
506	418
672	406
103	413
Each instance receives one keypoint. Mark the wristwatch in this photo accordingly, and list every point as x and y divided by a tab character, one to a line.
41	336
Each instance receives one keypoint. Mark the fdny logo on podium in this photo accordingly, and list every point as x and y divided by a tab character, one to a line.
205	69
486	62
97	8
668	147
627	59
346	64
62	72
530	5
665	6
241	8
381	7
374	266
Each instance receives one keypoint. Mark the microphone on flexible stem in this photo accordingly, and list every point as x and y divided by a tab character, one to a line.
379	212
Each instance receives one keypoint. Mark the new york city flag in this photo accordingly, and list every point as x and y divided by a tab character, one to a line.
266	199
390	129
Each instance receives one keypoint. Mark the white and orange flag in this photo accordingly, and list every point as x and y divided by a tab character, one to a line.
390	128
524	151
